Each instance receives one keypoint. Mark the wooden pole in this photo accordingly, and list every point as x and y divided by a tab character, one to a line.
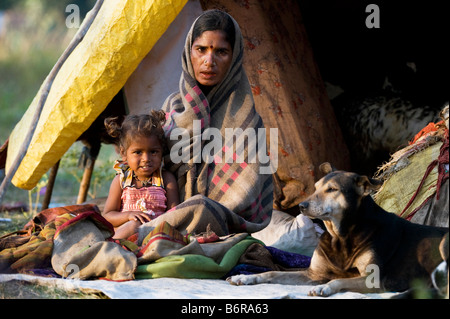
86	181
50	184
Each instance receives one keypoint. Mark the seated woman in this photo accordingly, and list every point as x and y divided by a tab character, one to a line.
228	194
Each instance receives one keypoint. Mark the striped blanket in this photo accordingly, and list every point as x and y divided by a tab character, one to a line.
225	186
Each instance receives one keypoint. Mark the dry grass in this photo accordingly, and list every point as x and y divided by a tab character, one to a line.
18	220
18	289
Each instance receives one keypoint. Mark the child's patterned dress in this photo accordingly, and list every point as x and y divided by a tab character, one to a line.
151	198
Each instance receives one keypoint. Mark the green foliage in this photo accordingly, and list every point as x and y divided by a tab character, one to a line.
32	37
28	50
10	4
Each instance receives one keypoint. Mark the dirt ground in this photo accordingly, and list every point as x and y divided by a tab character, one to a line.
18	289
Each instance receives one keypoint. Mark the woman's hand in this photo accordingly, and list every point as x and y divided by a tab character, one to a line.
139	216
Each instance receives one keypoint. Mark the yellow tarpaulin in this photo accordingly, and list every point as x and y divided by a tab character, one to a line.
123	32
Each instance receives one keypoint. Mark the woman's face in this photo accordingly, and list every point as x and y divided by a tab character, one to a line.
211	57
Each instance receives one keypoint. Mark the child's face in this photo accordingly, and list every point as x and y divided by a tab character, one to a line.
144	155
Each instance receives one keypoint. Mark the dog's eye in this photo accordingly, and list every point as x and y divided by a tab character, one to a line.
331	190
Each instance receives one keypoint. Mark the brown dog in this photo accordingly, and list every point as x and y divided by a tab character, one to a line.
365	248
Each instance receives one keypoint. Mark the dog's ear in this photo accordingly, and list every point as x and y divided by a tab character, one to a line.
326	168
367	185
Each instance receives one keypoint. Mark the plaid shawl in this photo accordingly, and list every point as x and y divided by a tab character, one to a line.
236	191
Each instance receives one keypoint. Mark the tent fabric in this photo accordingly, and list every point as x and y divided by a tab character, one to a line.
400	187
415	180
120	36
158	74
434	211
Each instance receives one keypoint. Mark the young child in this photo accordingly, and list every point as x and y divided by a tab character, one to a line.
142	190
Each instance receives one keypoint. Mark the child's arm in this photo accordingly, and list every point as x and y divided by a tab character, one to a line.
112	205
171	186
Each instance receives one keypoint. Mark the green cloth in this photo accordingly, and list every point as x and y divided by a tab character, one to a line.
194	266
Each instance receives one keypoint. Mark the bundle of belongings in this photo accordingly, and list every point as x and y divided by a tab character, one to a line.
76	242
416	178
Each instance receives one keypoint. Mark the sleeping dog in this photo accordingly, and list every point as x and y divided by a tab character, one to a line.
365	248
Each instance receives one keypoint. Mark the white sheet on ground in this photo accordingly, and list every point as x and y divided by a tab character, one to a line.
292	234
174	288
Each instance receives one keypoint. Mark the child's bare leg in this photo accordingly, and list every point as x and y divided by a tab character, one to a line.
126	230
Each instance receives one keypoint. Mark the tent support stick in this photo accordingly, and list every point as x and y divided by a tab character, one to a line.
45	91
86	181
50	184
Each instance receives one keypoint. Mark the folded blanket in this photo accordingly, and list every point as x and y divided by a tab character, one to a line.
195	265
74	241
80	246
83	249
258	258
32	247
34	253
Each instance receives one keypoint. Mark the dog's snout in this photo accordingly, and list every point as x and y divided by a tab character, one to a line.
303	206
